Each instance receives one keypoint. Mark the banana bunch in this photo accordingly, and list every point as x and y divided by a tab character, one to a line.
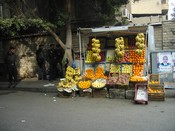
77	71
96	49
71	78
140	39
69	73
66	83
120	48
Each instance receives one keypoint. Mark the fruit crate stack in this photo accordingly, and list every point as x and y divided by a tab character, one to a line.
156	92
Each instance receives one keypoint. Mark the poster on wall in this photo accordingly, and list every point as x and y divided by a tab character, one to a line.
164	62
173	59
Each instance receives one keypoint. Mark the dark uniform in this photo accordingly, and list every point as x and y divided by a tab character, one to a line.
40	58
10	61
52	58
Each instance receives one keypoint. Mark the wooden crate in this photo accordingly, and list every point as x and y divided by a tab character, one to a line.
157	93
154	77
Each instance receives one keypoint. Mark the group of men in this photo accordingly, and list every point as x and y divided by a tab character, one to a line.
52	56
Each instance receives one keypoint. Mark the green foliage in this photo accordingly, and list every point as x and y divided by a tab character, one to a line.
19	26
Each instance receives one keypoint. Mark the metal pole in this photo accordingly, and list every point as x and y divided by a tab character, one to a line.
80	48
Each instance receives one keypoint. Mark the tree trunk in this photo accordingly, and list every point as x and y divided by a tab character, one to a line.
68	46
68	50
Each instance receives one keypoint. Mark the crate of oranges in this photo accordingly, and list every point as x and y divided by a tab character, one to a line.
84	83
156	92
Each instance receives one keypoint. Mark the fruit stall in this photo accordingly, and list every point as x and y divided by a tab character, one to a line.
113	58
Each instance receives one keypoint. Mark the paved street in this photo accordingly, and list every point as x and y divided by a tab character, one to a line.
31	111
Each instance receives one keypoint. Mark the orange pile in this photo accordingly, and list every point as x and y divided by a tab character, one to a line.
99	73
89	73
84	84
135	58
138	70
150	90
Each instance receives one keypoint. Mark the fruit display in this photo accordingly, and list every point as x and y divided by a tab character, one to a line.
126	57
111	80
89	73
138	79
99	73
96	49
152	90
84	84
114	68
154	82
99	83
120	48
123	79
135	58
127	68
140	43
89	57
71	78
138	69
110	56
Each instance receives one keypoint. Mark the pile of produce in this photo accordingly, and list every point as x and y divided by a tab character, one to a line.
120	48
153	82
114	68
71	78
99	83
121	79
140	39
99	73
112	80
158	90
138	69
84	84
138	79
127	68
135	58
89	57
89	73
96	49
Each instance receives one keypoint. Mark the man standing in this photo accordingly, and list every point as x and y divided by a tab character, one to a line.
52	59
40	57
10	61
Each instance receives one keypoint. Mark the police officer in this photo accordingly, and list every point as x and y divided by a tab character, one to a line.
10	61
52	58
41	59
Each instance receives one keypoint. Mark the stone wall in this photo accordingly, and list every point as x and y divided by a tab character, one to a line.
158	37
26	51
168	36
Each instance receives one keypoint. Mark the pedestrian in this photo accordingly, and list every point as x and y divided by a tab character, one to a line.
52	59
60	53
10	62
41	61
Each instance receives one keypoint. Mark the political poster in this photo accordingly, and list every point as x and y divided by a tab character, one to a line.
165	62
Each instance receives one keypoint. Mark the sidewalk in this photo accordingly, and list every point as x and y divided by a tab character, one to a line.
32	84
